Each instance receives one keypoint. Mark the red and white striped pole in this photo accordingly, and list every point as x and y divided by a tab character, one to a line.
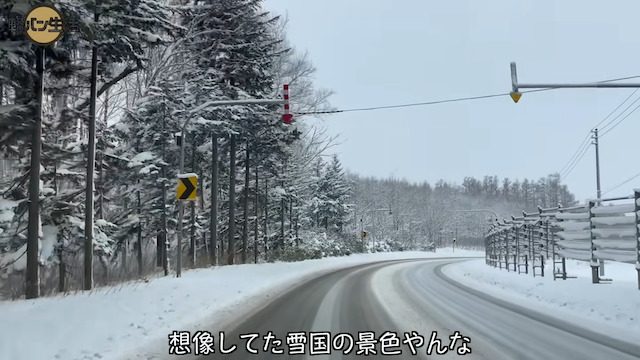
286	117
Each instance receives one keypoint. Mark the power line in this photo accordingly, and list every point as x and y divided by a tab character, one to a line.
562	177
621	120
442	101
624	182
414	104
582	144
576	153
622	113
616	109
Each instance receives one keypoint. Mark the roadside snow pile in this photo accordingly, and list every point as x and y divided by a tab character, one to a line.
114	322
612	308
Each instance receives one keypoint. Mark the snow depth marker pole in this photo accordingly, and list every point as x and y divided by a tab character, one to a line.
286	117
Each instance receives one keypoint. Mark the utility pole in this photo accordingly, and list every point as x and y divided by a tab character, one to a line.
455	239
232	202
245	205
180	208
33	235
257	214
595	142
192	241
361	233
599	191
91	163
266	218
165	245
214	199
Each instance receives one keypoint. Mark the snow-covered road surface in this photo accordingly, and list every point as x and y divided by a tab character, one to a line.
132	321
415	296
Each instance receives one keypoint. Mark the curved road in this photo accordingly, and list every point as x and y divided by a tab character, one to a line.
414	297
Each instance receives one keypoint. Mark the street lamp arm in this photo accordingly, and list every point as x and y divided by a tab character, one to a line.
238	102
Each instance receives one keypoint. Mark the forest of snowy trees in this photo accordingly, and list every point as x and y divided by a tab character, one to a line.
422	214
158	62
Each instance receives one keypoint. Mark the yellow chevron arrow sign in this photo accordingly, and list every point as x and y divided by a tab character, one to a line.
187	186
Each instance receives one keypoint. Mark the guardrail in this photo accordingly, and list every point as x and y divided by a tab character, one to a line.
597	231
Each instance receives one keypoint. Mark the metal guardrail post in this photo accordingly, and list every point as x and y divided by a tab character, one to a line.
487	253
636	199
506	255
546	231
500	247
555	253
516	257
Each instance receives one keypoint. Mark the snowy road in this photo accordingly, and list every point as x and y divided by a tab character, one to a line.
414	296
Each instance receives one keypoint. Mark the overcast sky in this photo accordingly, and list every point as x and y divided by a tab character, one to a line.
373	52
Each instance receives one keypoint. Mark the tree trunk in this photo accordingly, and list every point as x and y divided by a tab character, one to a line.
100	187
62	268
139	242
245	227
297	222
101	160
214	200
257	214
290	216
125	249
232	202
91	163
282	214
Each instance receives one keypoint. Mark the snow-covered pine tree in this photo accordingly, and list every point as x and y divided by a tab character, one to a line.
235	54
123	35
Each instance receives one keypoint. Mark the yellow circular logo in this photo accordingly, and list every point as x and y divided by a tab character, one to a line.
44	25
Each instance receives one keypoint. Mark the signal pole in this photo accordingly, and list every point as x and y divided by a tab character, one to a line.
516	94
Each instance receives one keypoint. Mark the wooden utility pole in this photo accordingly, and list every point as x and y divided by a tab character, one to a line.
214	199
245	226
33	239
598	189
266	217
232	202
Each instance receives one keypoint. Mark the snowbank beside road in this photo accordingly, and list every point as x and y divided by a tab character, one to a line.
116	322
612	309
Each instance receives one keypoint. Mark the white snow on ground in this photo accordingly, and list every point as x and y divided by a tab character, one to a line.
610	308
136	318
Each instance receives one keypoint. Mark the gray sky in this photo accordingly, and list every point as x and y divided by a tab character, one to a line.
373	52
